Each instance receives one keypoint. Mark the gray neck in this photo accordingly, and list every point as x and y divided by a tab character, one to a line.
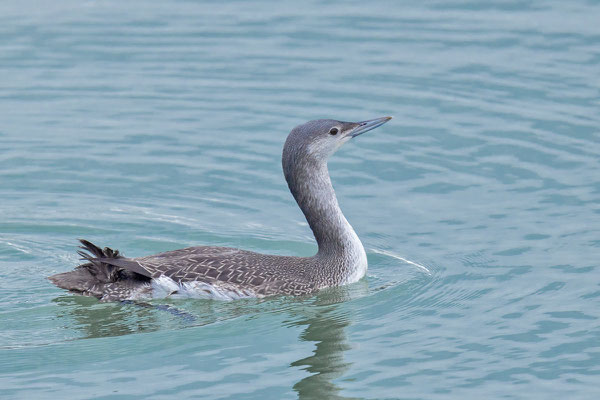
311	186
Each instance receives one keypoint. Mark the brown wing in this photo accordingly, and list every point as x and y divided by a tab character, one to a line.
218	264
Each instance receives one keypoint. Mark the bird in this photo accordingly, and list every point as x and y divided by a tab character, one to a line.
228	273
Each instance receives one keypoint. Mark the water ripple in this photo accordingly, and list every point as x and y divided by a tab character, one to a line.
152	126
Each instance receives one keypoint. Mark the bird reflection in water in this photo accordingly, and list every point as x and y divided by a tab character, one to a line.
98	320
323	317
327	329
327	361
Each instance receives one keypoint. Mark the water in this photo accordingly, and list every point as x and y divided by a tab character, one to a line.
150	126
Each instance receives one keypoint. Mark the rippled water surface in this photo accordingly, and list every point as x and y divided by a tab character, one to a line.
150	126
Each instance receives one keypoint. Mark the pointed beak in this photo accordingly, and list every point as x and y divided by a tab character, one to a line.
366	126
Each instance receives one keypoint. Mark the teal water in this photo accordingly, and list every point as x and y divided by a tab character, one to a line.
150	126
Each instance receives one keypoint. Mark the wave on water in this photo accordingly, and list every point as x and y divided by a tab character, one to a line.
420	267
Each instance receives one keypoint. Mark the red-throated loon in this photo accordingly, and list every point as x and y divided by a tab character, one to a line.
227	273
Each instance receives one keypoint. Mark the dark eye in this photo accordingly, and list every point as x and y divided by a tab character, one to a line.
333	131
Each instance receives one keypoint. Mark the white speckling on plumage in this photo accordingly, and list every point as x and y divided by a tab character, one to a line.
225	273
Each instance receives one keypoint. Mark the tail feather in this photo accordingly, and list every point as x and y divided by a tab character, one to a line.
97	251
105	273
92	248
90	277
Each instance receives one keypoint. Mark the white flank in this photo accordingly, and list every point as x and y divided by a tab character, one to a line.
166	287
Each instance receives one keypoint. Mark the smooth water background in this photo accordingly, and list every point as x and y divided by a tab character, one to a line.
149	126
